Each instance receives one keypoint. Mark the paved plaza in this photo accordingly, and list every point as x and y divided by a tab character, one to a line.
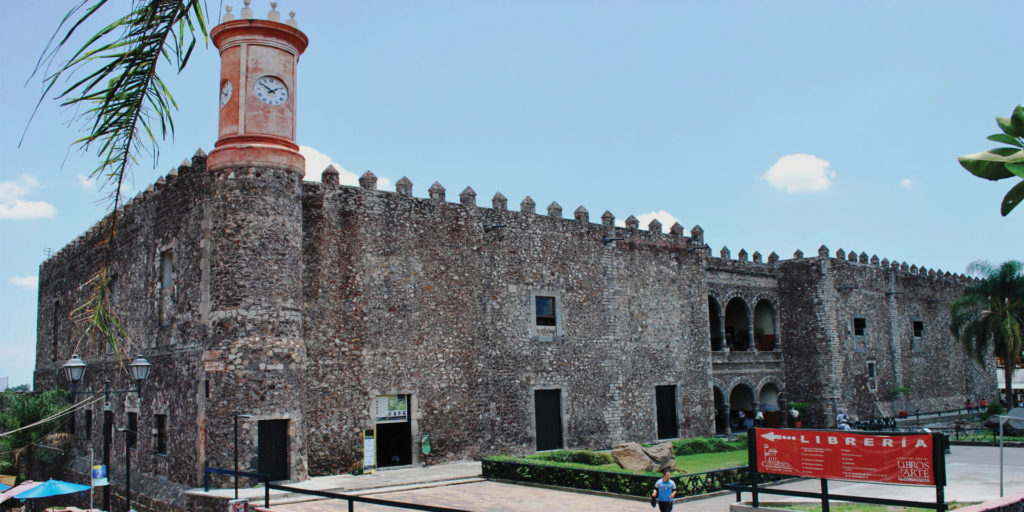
973	474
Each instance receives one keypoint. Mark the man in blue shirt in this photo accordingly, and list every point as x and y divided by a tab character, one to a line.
665	491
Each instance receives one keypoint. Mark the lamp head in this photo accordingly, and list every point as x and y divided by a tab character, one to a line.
139	368
74	369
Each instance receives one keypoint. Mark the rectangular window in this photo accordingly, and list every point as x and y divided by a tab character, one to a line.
167	269
54	330
133	429
918	328
545	310
160	431
872	383
546	315
88	423
860	326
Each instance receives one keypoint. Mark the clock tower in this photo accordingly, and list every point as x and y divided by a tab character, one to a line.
258	60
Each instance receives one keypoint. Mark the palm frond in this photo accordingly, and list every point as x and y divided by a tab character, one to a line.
112	81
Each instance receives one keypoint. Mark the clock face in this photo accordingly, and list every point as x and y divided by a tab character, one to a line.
225	92
270	90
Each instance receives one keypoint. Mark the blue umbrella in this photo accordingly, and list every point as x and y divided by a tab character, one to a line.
4	487
51	488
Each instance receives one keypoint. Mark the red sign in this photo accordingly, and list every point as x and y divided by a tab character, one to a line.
898	459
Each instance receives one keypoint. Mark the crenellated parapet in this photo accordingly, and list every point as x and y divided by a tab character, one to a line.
629	236
96	233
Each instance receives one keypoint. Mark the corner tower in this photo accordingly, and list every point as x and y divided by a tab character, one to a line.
258	61
255	353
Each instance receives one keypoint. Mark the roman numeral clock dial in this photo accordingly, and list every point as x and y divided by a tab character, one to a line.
270	90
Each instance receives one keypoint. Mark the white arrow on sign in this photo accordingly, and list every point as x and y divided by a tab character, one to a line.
771	436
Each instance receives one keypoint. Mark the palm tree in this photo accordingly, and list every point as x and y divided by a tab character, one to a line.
989	317
28	421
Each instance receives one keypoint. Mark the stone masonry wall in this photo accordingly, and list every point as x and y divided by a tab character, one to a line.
407	295
161	322
827	297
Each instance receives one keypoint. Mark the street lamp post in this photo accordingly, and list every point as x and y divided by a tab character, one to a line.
236	449
128	466
74	371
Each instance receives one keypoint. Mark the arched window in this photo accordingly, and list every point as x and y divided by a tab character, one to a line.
715	323
737	325
765	333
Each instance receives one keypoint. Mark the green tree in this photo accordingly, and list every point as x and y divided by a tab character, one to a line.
988	318
112	84
30	421
1003	162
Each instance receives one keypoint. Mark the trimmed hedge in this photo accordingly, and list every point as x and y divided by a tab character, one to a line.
631	484
696	445
586	457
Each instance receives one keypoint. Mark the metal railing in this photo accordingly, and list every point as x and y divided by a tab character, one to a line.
264	478
352	500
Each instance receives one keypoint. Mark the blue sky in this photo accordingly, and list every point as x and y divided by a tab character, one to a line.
775	126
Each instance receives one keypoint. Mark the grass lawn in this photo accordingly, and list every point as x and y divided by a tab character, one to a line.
858	507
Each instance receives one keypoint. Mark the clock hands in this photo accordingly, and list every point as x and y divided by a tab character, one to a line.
265	86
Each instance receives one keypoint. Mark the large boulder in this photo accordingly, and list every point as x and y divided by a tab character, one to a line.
631	456
662	457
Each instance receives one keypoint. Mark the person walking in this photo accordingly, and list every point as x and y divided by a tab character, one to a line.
664	492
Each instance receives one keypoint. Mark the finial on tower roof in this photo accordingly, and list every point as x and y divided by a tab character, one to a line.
291	21
227	14
246	11
273	15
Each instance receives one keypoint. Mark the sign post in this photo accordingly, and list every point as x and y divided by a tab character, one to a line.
884	457
369	450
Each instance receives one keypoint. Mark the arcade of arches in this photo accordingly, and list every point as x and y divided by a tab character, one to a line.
741	409
741	329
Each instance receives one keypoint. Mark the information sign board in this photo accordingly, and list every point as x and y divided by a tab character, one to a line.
369	450
99	476
391	408
839	455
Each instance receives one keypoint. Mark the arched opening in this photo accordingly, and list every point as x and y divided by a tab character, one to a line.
764	325
720	420
737	325
741	404
715	323
769	403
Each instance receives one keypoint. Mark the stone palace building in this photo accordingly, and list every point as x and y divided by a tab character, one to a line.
319	312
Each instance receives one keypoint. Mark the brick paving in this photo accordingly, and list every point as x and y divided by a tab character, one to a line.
973	474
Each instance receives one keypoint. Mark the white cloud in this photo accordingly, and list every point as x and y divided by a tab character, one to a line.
86	182
316	162
26	282
800	173
665	218
12	206
906	183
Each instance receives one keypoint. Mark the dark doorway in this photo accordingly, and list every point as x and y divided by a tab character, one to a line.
272	449
394	444
548	409
665	403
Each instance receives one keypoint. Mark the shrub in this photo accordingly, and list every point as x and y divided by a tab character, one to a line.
587	457
994	409
696	445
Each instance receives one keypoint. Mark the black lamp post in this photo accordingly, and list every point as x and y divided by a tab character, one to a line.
236	449
128	433
74	371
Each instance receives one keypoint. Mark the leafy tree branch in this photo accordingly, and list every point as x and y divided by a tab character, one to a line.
1005	161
